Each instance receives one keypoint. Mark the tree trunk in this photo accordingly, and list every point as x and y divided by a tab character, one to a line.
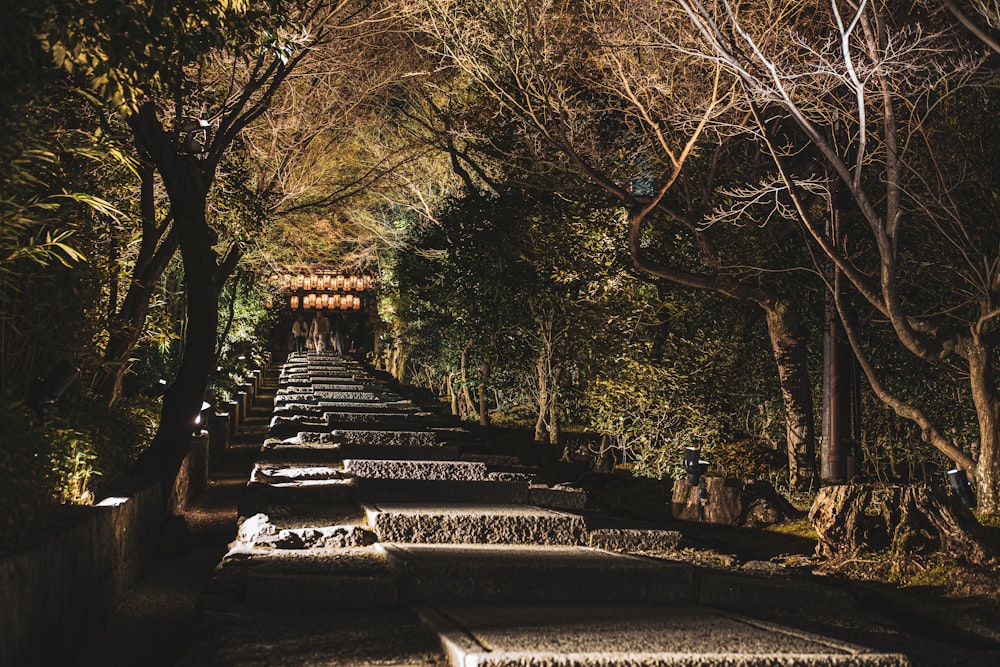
987	471
204	278
452	394
125	324
788	344
484	376
541	425
554	408
463	371
852	520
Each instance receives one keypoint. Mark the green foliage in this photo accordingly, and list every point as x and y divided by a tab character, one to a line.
126	49
63	458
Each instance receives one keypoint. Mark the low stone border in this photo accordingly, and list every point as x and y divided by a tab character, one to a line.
58	594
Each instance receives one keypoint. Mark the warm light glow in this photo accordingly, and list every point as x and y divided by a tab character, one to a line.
326	281
299	281
336	300
325	300
340	282
113	501
286	280
357	303
294	302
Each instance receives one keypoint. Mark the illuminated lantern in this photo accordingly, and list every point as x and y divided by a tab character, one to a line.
324	300
340	282
326	281
294	302
357	303
299	281
336	301
286	280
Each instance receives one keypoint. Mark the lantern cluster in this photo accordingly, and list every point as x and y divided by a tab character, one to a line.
325	301
322	290
328	282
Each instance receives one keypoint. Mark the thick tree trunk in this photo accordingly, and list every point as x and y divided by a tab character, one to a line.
987	471
904	520
204	278
789	346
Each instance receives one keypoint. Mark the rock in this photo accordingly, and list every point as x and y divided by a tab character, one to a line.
732	502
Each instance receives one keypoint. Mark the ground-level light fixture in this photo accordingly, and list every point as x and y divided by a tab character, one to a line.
958	480
696	467
46	392
193	136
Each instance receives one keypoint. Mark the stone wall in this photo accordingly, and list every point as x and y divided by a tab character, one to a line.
58	594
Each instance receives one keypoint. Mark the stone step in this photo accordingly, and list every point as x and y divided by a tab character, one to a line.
294	451
301	579
260	496
375	436
375	490
369	417
626	636
473	524
535	574
420	470
318	409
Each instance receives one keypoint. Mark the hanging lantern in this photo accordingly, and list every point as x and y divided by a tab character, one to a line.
357	303
324	300
294	302
286	280
299	281
335	301
340	282
326	281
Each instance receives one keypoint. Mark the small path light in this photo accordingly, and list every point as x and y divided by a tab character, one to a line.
46	392
958	480
193	136
696	467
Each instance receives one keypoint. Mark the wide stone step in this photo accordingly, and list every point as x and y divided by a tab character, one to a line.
302	579
369	417
375	490
423	470
535	574
628	636
294	450
259	496
473	524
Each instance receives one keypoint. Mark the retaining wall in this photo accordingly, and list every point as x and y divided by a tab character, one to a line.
55	596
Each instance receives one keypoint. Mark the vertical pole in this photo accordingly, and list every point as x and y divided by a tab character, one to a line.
837	458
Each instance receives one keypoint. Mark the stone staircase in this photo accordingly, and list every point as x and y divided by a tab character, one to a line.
373	532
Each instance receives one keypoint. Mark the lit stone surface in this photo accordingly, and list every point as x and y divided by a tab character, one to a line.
610	636
441	490
474	524
634	539
388	469
558	497
367	417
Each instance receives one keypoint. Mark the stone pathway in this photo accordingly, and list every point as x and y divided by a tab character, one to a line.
373	533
